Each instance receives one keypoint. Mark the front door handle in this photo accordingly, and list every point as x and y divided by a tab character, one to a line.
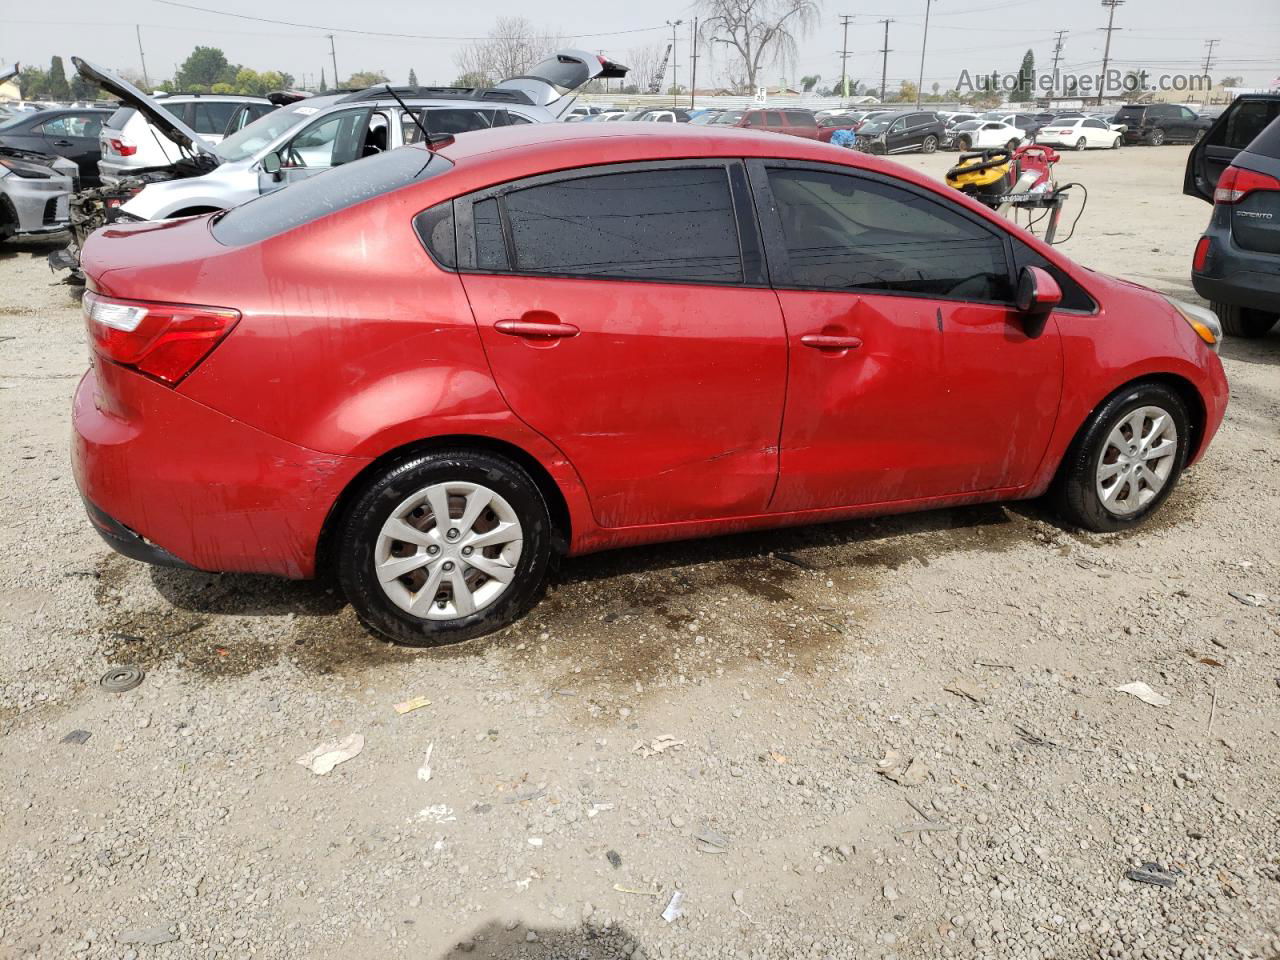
528	328
62	143
824	341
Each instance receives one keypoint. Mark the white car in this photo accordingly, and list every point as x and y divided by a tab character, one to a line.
130	142
1079	133
984	135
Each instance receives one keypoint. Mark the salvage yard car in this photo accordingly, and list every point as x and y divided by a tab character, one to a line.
982	134
431	372
1236	264
62	133
902	132
1079	133
34	193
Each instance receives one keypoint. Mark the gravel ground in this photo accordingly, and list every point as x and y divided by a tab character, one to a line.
973	654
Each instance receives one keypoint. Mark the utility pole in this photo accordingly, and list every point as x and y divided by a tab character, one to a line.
693	62
924	42
1208	61
336	84
844	59
1057	55
884	62
675	65
145	82
1106	50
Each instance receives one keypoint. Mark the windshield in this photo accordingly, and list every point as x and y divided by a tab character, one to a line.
729	117
875	126
705	118
263	131
969	125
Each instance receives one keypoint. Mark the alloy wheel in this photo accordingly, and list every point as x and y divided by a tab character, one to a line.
1137	460
448	550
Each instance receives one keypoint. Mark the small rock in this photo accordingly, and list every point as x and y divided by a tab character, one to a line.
890	892
739	896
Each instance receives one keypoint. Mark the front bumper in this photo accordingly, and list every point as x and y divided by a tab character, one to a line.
41	205
172	481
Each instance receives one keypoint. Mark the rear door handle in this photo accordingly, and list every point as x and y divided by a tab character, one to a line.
823	341
527	328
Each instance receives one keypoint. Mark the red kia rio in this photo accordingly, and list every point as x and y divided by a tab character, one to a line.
430	372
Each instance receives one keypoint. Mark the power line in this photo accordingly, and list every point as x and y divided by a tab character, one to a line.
380	33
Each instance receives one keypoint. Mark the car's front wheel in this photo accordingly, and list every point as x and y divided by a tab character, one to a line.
444	547
1115	144
1126	460
1243	322
963	143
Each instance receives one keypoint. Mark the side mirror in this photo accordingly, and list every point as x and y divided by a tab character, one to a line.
1038	294
271	165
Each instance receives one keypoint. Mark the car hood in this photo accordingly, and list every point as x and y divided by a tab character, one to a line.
548	82
173	128
8	73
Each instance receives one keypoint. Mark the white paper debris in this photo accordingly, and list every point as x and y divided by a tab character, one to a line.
328	755
1144	693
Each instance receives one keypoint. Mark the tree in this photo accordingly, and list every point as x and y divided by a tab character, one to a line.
32	83
809	82
907	92
1025	91
413	78
936	87
760	33
57	87
203	68
512	47
643	65
1232	81
82	89
365	78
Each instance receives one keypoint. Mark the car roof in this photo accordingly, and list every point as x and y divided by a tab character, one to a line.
238	97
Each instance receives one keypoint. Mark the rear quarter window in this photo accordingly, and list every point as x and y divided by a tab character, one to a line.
316	197
122	116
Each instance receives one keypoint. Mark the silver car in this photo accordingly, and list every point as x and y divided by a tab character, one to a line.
313	135
34	193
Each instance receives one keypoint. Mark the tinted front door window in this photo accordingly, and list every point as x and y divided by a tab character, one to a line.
651	225
847	233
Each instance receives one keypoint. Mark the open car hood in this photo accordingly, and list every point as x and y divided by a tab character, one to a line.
171	126
548	82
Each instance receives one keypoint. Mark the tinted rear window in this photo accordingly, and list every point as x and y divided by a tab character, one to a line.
325	193
798	118
122	116
1267	143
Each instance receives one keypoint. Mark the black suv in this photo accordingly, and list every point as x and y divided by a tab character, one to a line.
901	132
1157	123
1236	266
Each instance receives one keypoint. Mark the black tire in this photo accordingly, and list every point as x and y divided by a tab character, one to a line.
963	144
1081	144
1244	322
1075	493
362	522
930	144
1012	145
1155	137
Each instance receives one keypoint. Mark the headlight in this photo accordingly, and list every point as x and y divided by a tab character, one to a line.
25	170
1203	321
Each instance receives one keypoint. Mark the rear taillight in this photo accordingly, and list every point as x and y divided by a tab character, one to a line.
1201	254
122	146
1236	183
163	340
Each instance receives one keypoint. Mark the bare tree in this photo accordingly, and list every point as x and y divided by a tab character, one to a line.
643	63
513	46
759	33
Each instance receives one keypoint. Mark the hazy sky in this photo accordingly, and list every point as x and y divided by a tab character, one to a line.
977	35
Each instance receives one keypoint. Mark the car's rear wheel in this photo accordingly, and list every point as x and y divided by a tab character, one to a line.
444	547
1126	460
1244	322
1081	143
930	144
1155	137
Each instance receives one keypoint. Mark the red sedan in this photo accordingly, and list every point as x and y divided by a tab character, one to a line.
430	372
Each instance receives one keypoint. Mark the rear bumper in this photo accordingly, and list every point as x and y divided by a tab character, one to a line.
171	481
1238	277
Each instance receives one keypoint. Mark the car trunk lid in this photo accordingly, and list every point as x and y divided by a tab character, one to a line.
172	127
548	82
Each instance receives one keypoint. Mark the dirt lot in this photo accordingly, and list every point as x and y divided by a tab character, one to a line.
786	666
